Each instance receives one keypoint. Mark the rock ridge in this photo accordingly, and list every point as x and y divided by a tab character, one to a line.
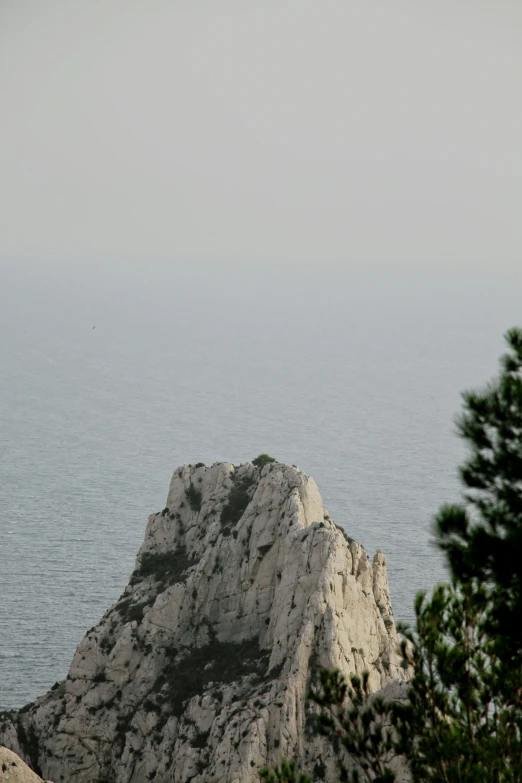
199	672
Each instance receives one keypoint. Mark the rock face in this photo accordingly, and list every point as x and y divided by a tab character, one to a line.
14	770
200	671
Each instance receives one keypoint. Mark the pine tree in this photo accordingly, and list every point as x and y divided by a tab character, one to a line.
482	538
461	721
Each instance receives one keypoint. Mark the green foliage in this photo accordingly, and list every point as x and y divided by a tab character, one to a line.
187	675
358	724
194	497
284	773
106	644
238	500
263	460
459	721
167	568
482	538
29	744
131	610
461	718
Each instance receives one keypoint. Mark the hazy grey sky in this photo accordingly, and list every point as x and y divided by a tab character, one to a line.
328	131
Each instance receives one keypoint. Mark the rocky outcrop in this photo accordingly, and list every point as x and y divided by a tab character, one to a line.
200	671
14	770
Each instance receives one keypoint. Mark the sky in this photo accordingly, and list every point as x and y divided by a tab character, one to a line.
348	132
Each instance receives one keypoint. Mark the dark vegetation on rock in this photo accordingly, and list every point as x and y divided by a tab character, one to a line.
131	610
194	497
167	568
262	460
238	500
29	744
188	673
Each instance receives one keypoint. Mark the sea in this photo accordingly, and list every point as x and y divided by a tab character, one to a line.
112	375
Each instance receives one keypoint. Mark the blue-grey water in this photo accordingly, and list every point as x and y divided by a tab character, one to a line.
355	377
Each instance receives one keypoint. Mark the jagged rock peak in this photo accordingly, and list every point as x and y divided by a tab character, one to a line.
199	672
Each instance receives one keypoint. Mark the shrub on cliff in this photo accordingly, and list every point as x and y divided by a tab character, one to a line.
238	500
285	773
263	460
194	497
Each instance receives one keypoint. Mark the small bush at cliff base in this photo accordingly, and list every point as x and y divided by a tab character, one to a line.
262	460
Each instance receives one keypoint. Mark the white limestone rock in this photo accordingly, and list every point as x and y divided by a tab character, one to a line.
200	671
14	770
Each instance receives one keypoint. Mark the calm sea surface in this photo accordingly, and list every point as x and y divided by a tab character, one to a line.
354	378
